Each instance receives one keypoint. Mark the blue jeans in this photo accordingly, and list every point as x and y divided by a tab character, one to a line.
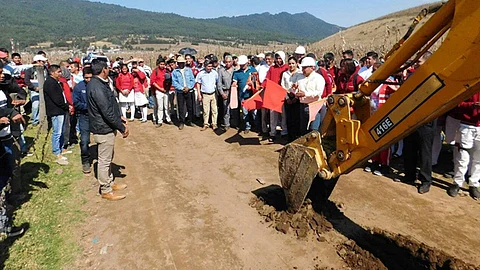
246	117
57	134
35	99
83	124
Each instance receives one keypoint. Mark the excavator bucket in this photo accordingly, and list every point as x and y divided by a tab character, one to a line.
298	167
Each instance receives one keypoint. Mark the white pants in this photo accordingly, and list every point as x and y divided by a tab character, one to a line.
162	103
124	106
451	128
468	139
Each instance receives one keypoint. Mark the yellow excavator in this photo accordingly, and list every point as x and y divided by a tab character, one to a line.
448	77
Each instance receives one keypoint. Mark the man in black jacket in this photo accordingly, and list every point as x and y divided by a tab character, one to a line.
105	119
56	107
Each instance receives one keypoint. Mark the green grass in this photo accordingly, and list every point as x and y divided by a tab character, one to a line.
52	212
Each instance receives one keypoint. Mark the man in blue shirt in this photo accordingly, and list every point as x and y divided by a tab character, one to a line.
183	81
81	110
206	86
241	78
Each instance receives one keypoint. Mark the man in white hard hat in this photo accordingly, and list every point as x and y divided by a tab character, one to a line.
300	53
308	90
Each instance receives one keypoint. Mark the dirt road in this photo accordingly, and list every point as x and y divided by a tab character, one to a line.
187	207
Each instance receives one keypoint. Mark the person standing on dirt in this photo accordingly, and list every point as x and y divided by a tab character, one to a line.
468	147
225	74
105	120
184	81
81	110
241	78
419	143
206	87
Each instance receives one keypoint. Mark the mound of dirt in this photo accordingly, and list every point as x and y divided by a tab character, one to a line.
303	223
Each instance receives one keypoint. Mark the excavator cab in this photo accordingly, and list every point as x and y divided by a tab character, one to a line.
344	143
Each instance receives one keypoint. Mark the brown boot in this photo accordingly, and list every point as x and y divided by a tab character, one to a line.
117	187
112	196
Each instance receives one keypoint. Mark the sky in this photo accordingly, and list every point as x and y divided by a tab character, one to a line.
340	12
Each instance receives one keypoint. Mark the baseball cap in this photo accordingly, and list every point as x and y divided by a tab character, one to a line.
181	59
300	50
242	59
308	62
39	57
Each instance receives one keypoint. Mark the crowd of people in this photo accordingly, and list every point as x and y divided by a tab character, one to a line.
97	97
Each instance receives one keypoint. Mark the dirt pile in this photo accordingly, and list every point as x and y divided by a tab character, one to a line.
301	223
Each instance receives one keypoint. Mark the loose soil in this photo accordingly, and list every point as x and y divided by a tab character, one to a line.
193	202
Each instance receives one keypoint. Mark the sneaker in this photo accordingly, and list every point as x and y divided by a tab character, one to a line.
382	170
181	126
158	125
449	174
368	169
214	127
112	196
226	128
169	122
204	128
271	139
424	188
61	161
62	157
453	190
86	169
12	232
66	151
143	121
246	131
474	193
131	120
378	172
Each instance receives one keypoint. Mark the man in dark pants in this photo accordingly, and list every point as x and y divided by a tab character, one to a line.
183	81
81	110
420	142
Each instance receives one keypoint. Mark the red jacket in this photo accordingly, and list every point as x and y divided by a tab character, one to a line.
275	73
328	81
468	113
124	81
158	76
345	86
139	81
67	91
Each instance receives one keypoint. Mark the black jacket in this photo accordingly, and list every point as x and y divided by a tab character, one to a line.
103	110
12	91
55	102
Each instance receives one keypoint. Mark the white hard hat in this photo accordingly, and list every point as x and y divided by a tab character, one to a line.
242	59
308	62
261	55
39	57
300	50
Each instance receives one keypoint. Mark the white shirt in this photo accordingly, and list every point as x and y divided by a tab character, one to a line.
313	87
365	72
288	79
262	72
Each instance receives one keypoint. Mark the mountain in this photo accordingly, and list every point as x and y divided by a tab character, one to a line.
32	21
375	35
303	25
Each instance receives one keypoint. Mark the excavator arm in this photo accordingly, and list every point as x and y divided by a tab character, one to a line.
447	78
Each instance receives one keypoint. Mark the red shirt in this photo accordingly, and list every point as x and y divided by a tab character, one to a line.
468	113
139	81
275	73
158	76
328	81
124	81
